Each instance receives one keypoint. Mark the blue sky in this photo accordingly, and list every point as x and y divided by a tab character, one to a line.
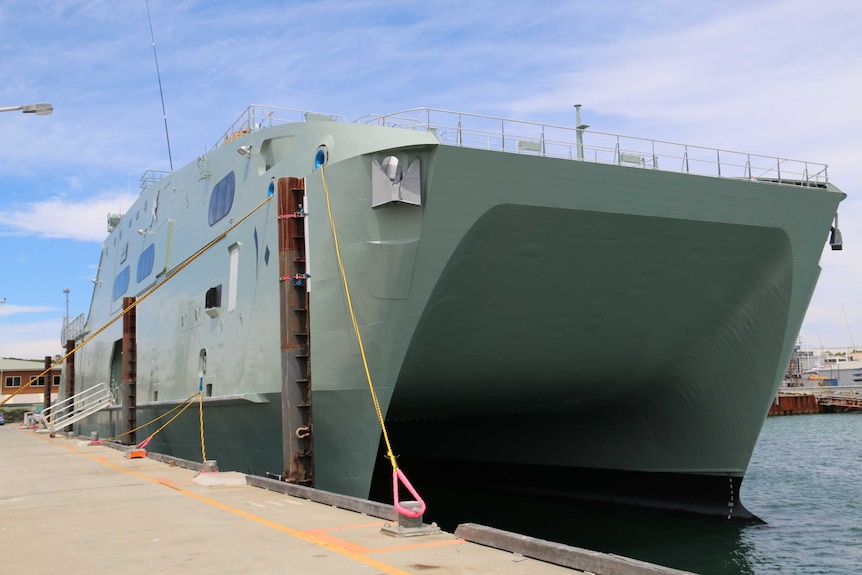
777	78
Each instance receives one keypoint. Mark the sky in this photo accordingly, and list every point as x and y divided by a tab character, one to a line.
780	78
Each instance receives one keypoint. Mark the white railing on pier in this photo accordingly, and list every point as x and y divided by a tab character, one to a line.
75	408
502	134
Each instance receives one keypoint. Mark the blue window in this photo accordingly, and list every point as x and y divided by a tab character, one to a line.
145	262
221	199
121	283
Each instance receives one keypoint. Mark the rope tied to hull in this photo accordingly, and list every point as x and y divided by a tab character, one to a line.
180	406
398	476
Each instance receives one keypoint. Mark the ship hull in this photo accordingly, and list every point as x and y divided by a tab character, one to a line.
455	488
571	315
563	327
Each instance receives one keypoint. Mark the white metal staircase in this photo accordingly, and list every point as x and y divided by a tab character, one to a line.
76	407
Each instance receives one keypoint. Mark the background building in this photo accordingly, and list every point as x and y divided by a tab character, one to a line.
15	373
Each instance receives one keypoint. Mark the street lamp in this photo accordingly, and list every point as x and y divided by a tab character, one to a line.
66	318
38	109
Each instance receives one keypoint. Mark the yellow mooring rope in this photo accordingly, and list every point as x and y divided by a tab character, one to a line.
183	405
396	473
203	445
188	404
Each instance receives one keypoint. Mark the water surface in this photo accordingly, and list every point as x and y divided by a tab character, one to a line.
804	480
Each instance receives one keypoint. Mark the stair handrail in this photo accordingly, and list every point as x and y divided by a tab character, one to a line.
76	406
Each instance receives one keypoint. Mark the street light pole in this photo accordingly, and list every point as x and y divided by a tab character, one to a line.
66	317
38	109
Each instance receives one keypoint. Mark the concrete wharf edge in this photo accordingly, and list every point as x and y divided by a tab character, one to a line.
473	549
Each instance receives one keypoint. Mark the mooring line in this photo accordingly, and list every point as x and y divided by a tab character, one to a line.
397	474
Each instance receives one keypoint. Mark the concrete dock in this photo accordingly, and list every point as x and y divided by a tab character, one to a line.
72	507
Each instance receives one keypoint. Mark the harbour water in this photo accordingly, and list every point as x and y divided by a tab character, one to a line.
804	481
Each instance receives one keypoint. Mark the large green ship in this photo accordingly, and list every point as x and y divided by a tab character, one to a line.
542	309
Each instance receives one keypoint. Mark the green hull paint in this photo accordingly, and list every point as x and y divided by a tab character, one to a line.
239	435
532	311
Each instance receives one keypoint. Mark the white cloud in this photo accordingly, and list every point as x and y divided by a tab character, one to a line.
58	217
31	340
756	73
7	309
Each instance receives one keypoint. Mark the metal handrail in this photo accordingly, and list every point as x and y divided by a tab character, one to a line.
258	116
504	134
73	329
151	177
517	136
76	407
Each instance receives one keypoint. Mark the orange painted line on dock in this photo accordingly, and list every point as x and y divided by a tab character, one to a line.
322	535
320	539
167	483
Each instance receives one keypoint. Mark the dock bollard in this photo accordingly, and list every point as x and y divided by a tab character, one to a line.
410	522
410	526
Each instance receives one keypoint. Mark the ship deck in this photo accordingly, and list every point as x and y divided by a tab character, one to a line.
65	502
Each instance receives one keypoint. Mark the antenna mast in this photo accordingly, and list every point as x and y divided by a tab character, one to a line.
161	92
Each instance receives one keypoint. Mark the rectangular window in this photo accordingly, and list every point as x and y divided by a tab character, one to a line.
233	278
13	381
56	381
41	382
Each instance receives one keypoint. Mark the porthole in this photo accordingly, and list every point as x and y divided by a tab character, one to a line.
121	283
221	199
145	262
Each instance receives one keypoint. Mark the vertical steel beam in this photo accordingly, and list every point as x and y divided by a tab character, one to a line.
46	402
70	375
295	341
128	388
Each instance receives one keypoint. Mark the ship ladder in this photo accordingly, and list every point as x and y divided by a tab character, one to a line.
295	341
398	476
75	408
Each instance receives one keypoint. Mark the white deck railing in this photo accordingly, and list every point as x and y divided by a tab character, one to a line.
258	116
502	134
516	136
